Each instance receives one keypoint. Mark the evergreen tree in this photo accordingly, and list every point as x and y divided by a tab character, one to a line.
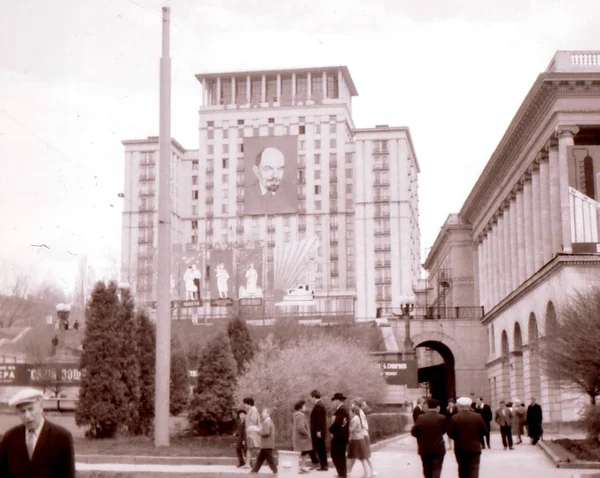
129	357
211	410
103	396
242	345
180	381
146	346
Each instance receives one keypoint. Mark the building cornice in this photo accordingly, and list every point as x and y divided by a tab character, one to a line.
558	263
441	240
152	140
392	129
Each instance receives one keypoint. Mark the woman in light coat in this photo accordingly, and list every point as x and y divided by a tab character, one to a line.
301	441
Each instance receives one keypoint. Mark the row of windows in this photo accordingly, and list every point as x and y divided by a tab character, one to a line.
302	129
241	122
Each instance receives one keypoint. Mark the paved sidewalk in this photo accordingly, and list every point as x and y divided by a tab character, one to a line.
398	458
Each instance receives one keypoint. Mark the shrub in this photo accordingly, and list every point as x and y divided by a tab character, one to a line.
242	345
591	421
211	410
180	379
385	425
146	345
278	376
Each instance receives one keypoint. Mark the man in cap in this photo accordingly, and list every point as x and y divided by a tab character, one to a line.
429	432
340	431
467	428
318	428
37	448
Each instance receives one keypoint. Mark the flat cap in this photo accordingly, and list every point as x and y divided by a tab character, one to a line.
464	401
25	395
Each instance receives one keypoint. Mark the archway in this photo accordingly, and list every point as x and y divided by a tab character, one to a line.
534	358
505	388
439	378
551	328
517	363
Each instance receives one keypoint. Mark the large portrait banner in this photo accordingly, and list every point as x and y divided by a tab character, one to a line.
271	177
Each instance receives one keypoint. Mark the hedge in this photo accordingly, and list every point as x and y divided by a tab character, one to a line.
385	425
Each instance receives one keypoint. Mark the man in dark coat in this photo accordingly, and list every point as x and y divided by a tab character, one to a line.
486	413
534	421
503	417
318	429
429	432
340	431
37	448
467	428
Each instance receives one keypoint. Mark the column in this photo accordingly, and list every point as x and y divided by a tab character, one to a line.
496	262
501	264
528	220
248	89
308	86
514	242
520	200
233	93
565	135
324	85
507	249
545	200
204	93
481	268
293	87
279	87
218	102
538	252
263	89
490	267
556	235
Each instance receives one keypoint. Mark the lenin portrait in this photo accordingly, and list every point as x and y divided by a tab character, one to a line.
270	165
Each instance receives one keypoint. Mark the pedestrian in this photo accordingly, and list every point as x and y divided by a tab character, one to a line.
37	447
267	443
503	417
486	413
363	409
356	446
240	438
429	432
467	429
534	420
451	410
301	441
418	410
519	417
318	429
340	431
252	431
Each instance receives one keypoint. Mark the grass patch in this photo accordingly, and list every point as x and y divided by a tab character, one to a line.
584	450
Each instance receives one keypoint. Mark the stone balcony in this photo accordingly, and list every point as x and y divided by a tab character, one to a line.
574	61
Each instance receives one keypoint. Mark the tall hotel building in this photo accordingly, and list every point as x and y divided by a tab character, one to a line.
283	193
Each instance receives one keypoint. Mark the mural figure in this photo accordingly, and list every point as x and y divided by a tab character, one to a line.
197	276
251	280
190	287
222	278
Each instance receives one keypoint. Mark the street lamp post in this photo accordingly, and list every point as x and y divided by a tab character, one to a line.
407	305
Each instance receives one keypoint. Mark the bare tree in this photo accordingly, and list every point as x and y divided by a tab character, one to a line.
570	352
14	305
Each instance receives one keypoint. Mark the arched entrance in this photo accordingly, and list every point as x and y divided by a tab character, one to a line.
439	379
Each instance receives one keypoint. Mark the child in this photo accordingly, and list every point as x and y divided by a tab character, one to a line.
240	442
267	443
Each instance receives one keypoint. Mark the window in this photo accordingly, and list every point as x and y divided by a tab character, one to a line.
271	120
317	189
256	90
210	134
350	234
317	204
210	149
210	124
224	209
332	143
348	174
194	179
301	87
349	158
317	144
317	129
240	122
225	134
349	188
240	148
225	193
332	118
301	145
194	239
302	129
272	88
316	83
333	158
301	119
349	204
194	164
332	128
318	220
194	210
225	163
317	174
195	194
317	159
194	224
225	149
332	85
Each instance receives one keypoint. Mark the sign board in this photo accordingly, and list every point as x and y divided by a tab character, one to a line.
400	373
184	304
39	375
221	302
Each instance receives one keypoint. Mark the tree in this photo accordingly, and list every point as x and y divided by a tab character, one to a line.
278	376
242	345
211	410
180	378
102	406
146	346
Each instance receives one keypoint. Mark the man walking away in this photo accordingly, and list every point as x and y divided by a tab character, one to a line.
467	428
429	432
503	417
318	429
534	421
340	431
486	413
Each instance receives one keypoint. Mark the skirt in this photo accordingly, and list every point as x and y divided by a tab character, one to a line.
367	446
357	449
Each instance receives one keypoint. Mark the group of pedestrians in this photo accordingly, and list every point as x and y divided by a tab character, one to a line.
467	426
348	427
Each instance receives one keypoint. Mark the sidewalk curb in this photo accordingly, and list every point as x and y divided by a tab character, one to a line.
383	443
568	463
156	460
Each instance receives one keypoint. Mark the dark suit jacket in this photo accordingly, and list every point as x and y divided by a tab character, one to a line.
340	428
53	456
467	428
417	411
503	420
485	412
429	432
285	200
318	419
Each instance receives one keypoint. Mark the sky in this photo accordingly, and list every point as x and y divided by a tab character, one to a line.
79	76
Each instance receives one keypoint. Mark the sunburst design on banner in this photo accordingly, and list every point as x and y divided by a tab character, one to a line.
291	263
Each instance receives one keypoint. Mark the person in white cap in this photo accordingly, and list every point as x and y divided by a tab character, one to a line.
467	429
37	448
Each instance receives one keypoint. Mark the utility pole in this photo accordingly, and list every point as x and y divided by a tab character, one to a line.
163	283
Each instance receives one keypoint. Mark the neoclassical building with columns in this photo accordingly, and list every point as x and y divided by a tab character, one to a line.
533	222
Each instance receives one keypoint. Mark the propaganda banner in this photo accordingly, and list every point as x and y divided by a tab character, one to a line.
40	375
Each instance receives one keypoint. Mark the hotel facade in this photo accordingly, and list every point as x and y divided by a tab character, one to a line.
341	225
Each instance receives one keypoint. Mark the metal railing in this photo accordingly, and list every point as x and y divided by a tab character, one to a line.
439	313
